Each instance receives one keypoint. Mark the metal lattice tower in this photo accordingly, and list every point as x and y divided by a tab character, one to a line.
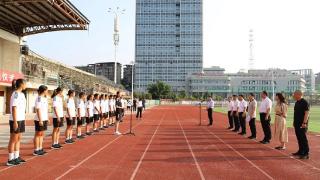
251	49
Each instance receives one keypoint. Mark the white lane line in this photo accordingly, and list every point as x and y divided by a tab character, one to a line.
241	155
22	164
133	175
291	157
191	151
95	153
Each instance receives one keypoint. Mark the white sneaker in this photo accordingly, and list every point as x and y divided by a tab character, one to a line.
117	133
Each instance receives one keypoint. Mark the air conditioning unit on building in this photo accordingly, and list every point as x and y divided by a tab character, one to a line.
24	50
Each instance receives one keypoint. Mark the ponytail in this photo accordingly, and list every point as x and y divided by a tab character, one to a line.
56	92
17	83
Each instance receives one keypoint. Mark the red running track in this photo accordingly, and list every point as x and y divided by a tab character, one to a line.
168	144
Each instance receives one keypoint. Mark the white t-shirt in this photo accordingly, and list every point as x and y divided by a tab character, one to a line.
243	106
111	104
42	105
96	104
210	104
103	106
123	103
107	105
140	104
58	104
230	105
81	108
265	104
18	100
235	105
90	107
72	107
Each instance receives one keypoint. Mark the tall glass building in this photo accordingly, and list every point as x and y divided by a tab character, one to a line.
168	42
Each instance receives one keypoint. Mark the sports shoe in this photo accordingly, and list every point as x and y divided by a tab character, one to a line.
96	130
80	137
12	162
280	148
117	133
106	126
102	128
252	137
43	152
88	133
59	146
36	153
54	146
69	141
20	160
304	156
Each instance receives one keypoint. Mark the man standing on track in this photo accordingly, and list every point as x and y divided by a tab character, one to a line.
235	114
252	107
265	118
230	117
300	124
242	114
210	106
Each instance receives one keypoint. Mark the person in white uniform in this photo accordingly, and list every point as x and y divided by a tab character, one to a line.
16	121
58	117
81	114
265	118
71	117
242	114
230	117
41	120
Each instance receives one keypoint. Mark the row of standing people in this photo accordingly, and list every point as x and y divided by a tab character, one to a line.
241	111
95	112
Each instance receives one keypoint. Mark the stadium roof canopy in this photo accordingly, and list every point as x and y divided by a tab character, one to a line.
26	17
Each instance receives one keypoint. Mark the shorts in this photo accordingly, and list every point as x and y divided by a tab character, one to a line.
119	115
71	121
81	121
105	115
57	124
89	120
38	128
96	117
112	114
21	127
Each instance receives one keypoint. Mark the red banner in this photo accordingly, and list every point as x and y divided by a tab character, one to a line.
7	76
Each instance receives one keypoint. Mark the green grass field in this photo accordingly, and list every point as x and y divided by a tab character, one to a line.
314	121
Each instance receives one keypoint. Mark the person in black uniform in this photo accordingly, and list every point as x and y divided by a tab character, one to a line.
134	104
119	110
300	123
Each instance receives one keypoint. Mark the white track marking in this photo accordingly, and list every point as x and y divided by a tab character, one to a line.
241	155
190	148
95	153
290	157
133	175
22	164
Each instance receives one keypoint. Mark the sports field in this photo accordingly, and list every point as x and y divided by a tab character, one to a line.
314	121
169	144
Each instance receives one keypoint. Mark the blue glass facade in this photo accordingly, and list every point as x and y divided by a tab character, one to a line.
169	43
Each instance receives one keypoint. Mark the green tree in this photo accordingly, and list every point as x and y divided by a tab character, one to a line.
159	90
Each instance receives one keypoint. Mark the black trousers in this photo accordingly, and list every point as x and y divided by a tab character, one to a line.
242	121
252	124
210	110
134	108
139	112
236	121
230	117
265	123
301	134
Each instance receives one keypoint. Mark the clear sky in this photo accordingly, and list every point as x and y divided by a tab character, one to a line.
286	34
